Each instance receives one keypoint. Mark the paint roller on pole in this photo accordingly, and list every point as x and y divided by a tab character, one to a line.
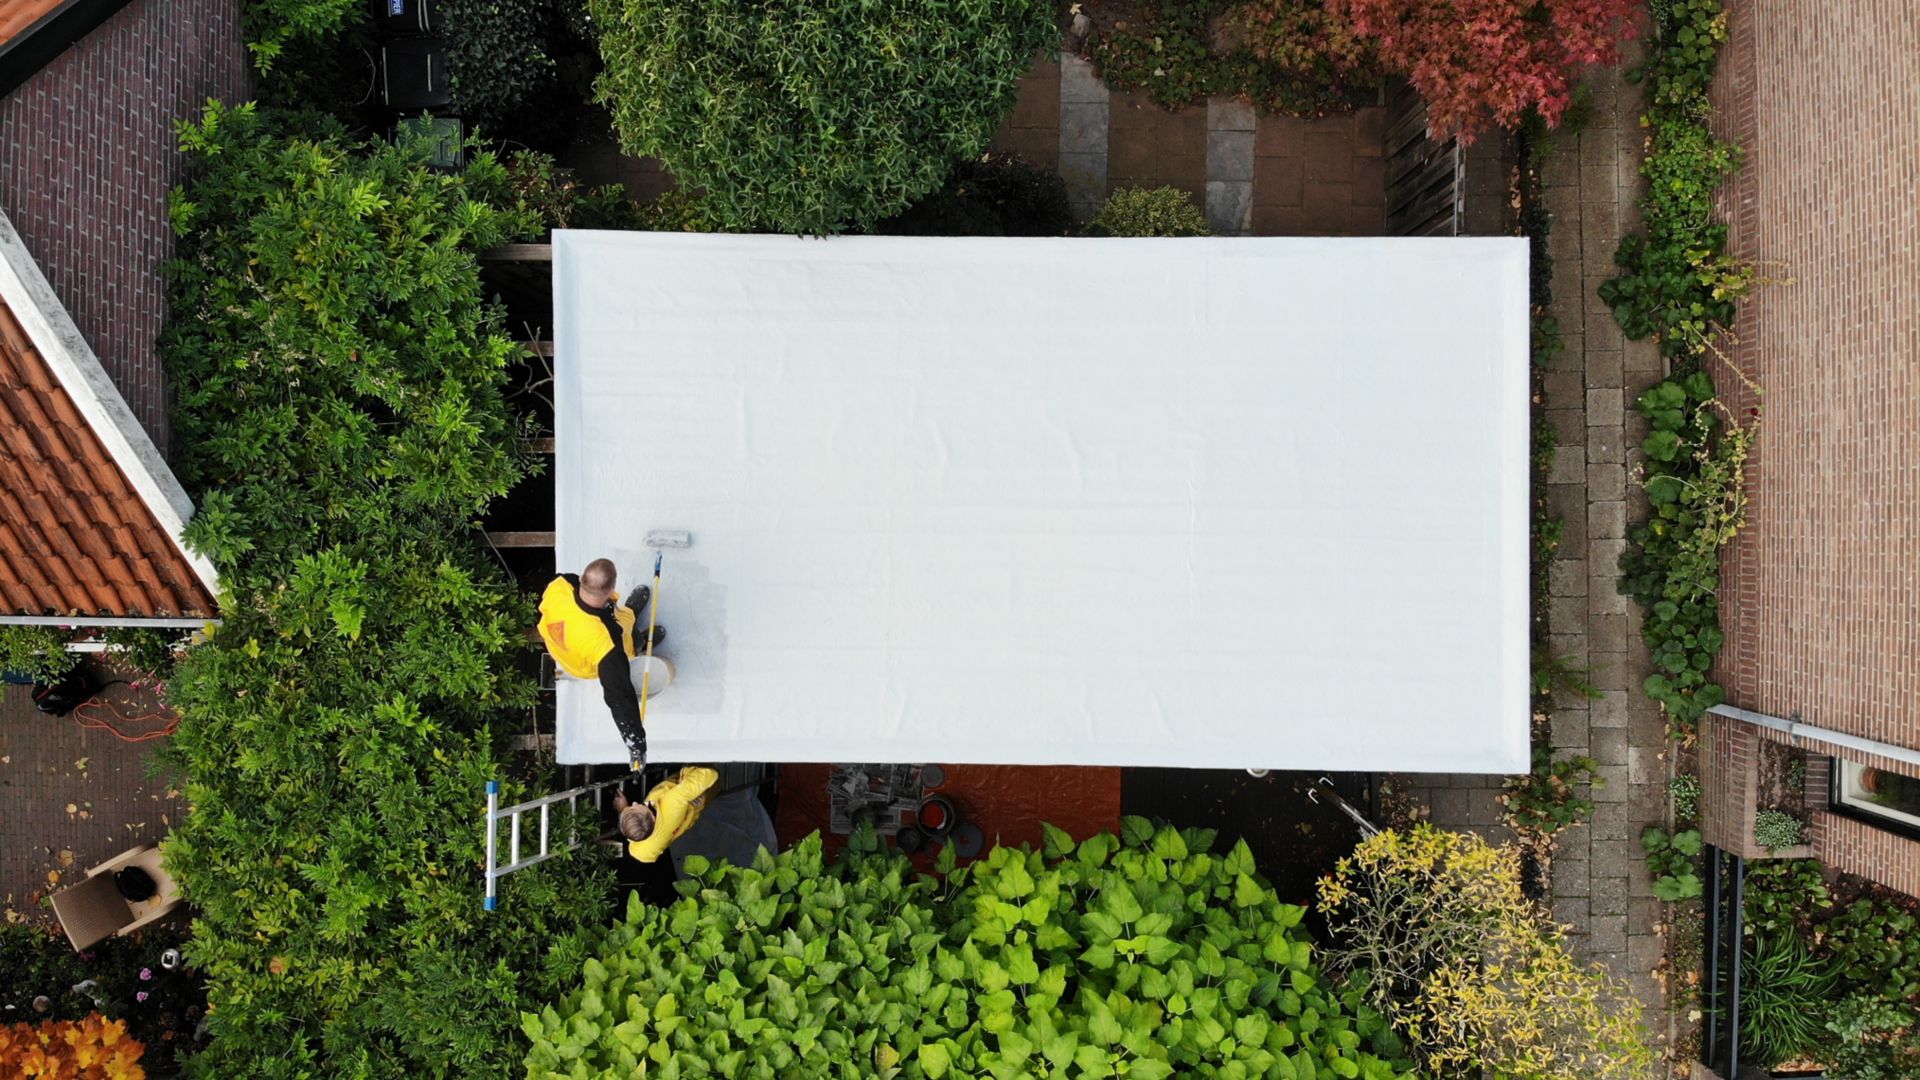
658	540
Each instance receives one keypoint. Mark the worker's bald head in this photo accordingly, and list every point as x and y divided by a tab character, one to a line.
596	581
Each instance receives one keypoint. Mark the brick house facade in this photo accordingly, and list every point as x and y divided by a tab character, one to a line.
1820	594
90	96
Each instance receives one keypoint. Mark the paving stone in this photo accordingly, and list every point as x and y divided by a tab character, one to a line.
1643	913
1450	808
1570	730
1564	390
1571	877
1607	930
1570	910
1612	708
1229	114
1646	727
1644	763
1326	201
1605	368
1569	429
1483	807
1230	155
1612	671
1569	647
1604	444
1610	822
1604	406
1603	593
1086	180
1615	858
1606	520
1607	482
1598	184
1083	129
1369	180
1569	464
1230	207
1329	155
1078	83
1567	614
1278	220
1608	898
1280	136
1603	561
1370	131
1567	577
1642	358
1609	746
1279	181
1615	776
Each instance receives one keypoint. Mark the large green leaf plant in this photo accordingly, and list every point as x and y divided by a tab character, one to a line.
1141	955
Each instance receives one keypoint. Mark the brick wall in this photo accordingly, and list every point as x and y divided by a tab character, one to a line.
1820	594
87	154
1852	845
1729	759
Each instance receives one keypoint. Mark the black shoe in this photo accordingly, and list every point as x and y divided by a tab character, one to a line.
637	599
659	635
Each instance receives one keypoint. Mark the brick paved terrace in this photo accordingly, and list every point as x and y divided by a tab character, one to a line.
72	797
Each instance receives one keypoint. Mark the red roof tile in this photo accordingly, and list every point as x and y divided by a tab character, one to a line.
75	536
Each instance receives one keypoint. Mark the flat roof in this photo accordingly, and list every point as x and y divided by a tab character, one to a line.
1199	502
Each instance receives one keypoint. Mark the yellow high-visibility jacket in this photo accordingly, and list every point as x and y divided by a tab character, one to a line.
677	802
577	638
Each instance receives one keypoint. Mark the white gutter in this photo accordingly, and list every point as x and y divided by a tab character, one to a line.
1795	730
73	362
182	623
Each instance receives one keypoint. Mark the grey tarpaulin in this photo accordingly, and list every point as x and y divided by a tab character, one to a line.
733	827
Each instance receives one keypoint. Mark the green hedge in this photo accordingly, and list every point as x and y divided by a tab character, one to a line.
1143	957
1678	286
341	421
813	116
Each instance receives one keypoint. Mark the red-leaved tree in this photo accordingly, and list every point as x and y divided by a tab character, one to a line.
1483	63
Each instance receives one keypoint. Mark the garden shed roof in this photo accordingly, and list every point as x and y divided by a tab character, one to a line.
1204	502
90	515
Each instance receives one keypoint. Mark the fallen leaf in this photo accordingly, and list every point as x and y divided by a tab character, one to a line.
84	815
66	857
53	877
6	760
82	764
72	808
278	965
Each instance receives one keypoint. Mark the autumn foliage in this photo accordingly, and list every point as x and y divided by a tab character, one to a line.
1484	63
94	1048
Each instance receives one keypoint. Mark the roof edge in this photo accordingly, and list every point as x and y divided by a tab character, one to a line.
42	41
52	331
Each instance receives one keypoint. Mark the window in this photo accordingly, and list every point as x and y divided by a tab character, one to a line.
1878	793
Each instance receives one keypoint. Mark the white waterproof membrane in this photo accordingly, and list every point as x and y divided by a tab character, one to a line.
1239	503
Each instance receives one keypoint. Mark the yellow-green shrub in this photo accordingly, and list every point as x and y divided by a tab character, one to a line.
1468	969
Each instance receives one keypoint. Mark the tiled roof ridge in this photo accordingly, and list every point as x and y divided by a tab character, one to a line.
114	544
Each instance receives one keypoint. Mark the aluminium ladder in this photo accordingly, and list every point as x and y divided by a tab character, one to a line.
548	848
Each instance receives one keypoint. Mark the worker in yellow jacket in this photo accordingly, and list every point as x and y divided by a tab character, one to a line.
669	810
590	637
